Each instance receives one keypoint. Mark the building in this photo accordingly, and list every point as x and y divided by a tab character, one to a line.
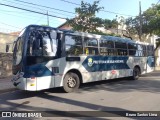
6	38
6	58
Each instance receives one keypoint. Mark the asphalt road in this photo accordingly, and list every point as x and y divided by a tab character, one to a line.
112	95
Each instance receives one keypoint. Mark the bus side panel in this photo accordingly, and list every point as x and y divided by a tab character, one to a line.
58	68
62	67
47	79
142	64
137	61
66	66
116	74
105	67
150	64
58	82
91	76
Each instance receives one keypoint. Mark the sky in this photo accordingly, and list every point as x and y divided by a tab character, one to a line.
12	19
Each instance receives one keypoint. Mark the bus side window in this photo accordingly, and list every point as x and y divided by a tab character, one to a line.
132	49
150	50
91	46
32	45
106	47
73	45
143	50
139	51
37	44
91	51
121	48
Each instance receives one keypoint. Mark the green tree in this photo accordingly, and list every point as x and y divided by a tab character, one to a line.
150	22
132	25
86	21
110	23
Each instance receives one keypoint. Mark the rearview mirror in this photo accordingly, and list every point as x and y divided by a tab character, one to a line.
7	48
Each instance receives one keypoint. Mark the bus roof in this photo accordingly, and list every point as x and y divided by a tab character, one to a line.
112	38
46	28
116	39
83	34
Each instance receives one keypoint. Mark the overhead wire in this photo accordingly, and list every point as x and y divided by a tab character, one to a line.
28	10
157	2
15	3
100	10
12	6
31	11
69	11
30	18
9	25
2	10
44	10
44	6
15	15
70	2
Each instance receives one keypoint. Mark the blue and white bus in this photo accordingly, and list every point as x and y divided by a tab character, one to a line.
46	57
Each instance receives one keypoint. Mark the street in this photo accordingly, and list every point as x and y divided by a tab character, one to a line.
111	95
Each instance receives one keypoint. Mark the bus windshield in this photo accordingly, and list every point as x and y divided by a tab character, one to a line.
18	48
17	54
42	43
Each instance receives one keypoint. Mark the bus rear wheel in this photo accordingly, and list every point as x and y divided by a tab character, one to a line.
136	73
71	82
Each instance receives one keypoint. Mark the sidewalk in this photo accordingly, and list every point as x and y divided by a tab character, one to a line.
6	85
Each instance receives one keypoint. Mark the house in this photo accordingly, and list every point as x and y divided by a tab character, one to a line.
15	33
65	26
119	30
6	58
6	38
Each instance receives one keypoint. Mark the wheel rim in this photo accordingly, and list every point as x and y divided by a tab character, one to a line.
71	82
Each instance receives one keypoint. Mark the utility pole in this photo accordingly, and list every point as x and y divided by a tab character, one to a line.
47	19
140	21
117	23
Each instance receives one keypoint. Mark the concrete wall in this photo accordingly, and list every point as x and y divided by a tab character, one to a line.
6	58
5	64
4	39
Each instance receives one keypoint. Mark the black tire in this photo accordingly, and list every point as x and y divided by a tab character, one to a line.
71	82
136	73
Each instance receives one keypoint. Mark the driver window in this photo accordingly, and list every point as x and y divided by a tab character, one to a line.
41	43
46	44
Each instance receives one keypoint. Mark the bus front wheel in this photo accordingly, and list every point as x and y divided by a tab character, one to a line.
71	82
136	73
